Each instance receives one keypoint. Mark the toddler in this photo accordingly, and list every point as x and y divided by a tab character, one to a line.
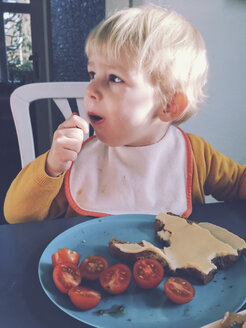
147	68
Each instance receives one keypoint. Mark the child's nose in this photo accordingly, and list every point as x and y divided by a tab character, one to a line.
93	91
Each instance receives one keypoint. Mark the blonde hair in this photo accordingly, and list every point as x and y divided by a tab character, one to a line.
162	43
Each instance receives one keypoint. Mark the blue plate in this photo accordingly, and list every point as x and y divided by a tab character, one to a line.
142	308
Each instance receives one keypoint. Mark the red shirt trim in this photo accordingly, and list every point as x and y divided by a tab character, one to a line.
189	176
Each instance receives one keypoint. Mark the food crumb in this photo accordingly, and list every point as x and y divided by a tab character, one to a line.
100	312
121	308
114	310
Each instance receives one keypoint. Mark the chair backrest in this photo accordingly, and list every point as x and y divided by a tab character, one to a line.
21	99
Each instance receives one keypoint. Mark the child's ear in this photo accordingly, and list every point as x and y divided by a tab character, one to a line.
175	109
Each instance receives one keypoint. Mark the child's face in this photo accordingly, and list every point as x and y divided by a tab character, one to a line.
121	105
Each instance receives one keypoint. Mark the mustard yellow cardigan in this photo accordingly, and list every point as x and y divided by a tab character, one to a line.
34	196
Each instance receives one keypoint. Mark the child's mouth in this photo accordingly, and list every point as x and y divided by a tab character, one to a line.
95	118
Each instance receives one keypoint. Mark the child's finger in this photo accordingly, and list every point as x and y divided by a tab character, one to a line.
75	121
81	123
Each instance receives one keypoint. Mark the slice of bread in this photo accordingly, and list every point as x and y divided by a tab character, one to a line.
189	248
233	320
130	252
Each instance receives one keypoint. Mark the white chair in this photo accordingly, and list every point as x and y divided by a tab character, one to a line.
20	101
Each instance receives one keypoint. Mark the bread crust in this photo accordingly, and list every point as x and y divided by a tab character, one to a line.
132	257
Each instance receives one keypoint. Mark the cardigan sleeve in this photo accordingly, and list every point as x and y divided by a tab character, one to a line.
215	174
35	196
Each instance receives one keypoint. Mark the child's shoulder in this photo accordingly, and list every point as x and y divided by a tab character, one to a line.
201	148
197	141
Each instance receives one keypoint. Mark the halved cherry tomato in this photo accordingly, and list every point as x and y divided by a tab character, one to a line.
179	290
65	255
148	273
116	278
84	298
92	266
66	276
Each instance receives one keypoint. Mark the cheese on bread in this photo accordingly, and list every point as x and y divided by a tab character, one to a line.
224	235
191	245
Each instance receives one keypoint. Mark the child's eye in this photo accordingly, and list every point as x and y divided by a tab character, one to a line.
91	75
115	79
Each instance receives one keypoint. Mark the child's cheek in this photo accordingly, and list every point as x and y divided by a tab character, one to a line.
88	104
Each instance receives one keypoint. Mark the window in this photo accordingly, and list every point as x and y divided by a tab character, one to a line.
15	41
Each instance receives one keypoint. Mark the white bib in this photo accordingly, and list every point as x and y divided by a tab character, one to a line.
150	179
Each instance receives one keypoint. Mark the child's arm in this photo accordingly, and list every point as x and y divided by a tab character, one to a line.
33	195
37	192
216	174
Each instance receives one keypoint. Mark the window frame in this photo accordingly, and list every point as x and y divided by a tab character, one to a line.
22	8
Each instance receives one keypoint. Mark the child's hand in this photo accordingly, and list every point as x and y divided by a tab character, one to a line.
66	145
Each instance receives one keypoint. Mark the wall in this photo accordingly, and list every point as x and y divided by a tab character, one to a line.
112	5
